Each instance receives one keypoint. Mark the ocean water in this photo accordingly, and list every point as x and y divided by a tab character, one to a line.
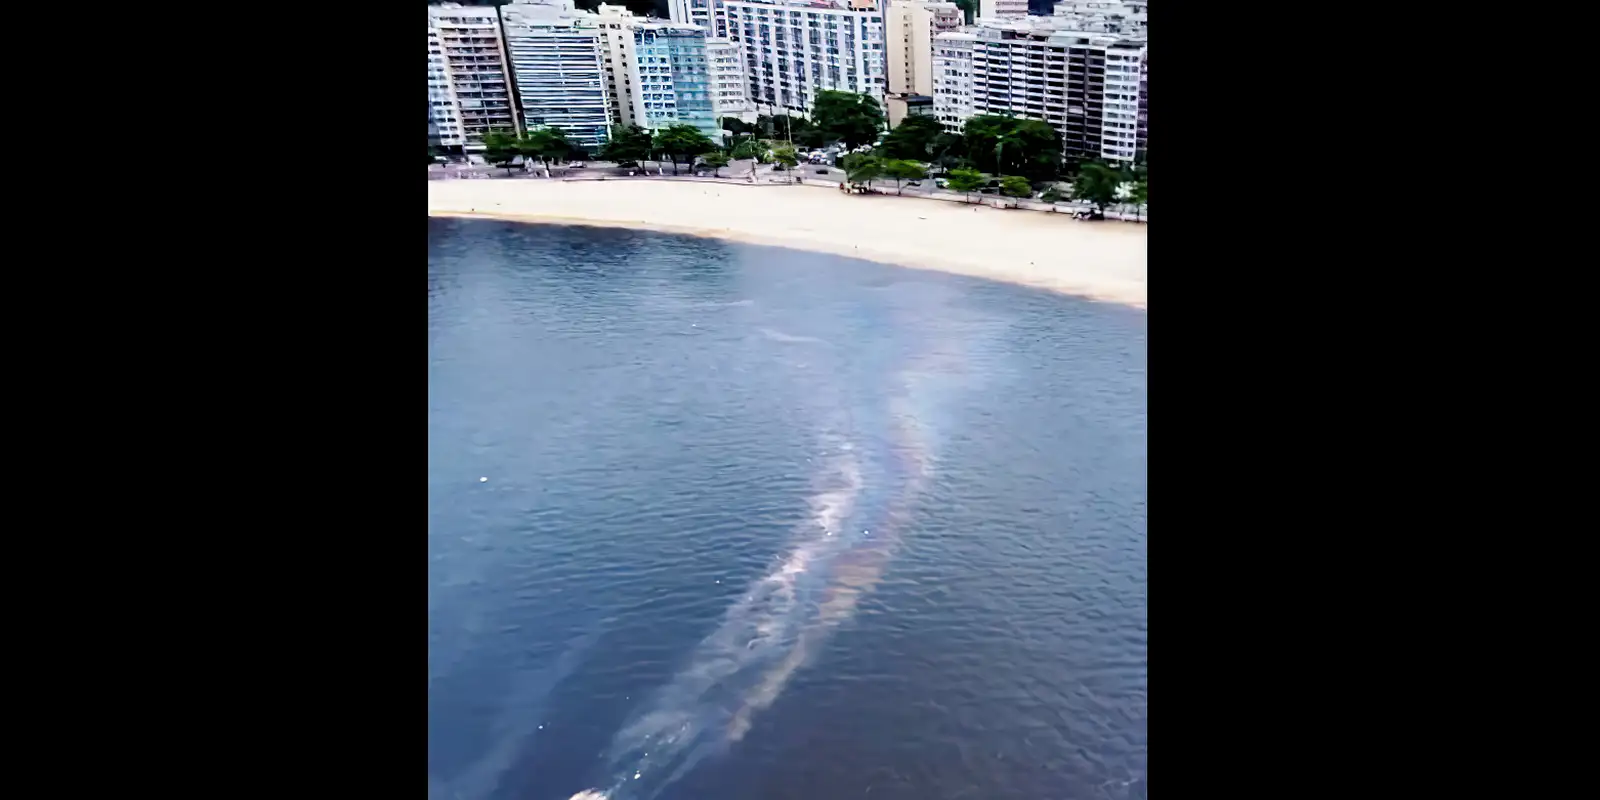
762	524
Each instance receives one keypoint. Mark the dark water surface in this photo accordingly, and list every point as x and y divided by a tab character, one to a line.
769	524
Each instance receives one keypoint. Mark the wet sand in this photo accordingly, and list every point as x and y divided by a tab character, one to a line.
1101	260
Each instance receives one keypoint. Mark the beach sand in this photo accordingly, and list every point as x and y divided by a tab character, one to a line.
1101	260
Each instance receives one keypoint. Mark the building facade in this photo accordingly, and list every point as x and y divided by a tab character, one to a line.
616	25
558	71
672	78
707	14
730	91
1085	85
469	86
909	28
796	48
952	78
998	9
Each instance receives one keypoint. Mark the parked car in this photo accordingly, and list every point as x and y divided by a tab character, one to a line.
913	183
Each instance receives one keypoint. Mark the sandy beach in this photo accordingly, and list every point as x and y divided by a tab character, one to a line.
1101	260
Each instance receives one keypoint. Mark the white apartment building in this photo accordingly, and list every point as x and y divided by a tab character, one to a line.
616	26
707	14
557	68
910	28
997	9
730	89
1089	86
795	48
952	78
469	89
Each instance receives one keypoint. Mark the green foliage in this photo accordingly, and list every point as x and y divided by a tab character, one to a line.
716	161
1097	184
913	139
1015	186
1051	195
680	140
968	7
785	157
948	150
748	148
966	181
546	144
902	170
1009	145
632	143
500	147
736	126
863	168
854	119
1140	193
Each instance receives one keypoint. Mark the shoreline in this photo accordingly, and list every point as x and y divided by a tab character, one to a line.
1097	261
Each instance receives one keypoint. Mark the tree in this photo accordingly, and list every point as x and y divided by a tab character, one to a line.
632	143
745	149
854	119
735	126
966	181
1015	186
948	150
1096	183
914	138
1010	145
862	169
500	149
785	157
680	140
1140	194
716	161
545	144
969	8
903	170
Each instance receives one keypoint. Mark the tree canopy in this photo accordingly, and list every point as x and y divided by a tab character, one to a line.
1011	145
716	161
863	169
500	148
546	144
966	181
785	157
914	138
631	143
854	119
1015	186
1097	184
680	140
748	148
903	170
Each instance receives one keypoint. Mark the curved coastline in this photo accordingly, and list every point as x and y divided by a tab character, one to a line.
1099	261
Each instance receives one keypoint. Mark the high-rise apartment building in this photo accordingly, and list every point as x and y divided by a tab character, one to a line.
910	28
671	77
707	14
795	48
616	26
730	91
1088	86
558	71
469	88
952	78
997	9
